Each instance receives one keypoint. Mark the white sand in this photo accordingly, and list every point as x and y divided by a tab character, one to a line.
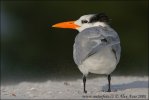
130	87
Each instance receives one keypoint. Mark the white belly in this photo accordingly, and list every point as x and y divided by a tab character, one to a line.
103	62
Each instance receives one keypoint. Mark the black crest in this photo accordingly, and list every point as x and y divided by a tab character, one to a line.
102	17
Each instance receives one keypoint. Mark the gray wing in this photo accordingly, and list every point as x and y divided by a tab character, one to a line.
91	40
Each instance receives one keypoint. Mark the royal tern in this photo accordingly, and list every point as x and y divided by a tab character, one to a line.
97	46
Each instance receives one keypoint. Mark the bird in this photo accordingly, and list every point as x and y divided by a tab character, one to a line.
97	47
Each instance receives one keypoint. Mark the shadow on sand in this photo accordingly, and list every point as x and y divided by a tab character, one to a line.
132	85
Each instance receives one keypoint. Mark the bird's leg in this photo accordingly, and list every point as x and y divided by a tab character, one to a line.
84	82
109	83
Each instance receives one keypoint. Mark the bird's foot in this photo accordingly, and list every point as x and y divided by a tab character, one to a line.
109	90
85	91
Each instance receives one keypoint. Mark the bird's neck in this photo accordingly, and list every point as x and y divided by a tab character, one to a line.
103	24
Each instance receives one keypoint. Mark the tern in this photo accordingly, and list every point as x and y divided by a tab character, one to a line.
97	46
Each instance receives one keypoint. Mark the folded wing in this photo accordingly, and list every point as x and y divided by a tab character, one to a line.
91	40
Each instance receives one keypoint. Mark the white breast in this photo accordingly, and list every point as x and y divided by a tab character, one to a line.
102	62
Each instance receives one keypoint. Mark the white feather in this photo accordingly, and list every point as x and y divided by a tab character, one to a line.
103	62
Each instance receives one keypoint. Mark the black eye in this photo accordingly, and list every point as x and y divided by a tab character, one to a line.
84	21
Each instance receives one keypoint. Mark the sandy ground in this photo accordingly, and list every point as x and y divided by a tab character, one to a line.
130	87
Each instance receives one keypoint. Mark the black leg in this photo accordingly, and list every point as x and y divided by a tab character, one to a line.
109	83
84	82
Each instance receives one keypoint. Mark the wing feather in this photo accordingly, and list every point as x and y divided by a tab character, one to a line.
91	40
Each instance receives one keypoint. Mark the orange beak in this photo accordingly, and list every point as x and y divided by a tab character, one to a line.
69	24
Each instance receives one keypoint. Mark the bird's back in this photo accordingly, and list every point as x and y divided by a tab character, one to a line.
92	40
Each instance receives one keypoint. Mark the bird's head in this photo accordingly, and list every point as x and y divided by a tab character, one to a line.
85	21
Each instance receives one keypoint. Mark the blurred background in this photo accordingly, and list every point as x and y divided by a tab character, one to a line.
33	51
